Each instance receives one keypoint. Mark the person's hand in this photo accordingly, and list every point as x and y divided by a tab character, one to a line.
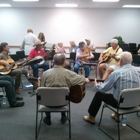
6	64
100	59
95	82
113	55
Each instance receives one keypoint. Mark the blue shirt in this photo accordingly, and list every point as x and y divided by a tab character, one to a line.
126	77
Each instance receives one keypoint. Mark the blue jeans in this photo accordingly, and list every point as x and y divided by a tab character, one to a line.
35	68
7	82
86	68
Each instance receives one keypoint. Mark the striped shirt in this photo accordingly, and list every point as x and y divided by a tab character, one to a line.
126	77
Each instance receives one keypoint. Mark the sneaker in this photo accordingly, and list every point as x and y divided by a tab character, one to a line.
116	117
17	104
47	120
63	119
19	98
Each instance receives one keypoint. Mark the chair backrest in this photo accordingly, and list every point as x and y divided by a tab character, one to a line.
73	55
130	98
125	47
20	54
96	56
14	57
133	46
136	58
138	47
52	96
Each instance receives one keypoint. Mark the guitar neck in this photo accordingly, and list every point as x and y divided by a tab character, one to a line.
98	80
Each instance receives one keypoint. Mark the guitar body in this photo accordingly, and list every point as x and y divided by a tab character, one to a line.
77	93
13	65
86	51
3	70
106	58
10	61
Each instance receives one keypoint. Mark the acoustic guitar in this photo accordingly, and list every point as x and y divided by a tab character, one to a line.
77	92
12	66
107	56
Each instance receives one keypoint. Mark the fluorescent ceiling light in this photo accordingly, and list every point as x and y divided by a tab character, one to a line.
105	0
26	0
66	5
131	6
5	5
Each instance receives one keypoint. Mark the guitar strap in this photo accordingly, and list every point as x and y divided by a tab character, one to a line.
117	49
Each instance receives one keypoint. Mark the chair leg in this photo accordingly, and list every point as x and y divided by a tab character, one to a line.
36	135
100	123
101	116
138	113
118	130
69	122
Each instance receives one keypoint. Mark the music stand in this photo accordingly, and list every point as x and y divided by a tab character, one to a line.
32	62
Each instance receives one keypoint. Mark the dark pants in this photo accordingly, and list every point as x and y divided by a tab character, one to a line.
48	114
97	101
7	82
35	68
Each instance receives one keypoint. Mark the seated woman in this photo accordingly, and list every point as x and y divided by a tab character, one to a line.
60	48
73	47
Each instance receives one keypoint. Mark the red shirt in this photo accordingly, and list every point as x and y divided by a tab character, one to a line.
35	53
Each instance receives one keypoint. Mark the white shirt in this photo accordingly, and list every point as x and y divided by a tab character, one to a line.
28	43
79	52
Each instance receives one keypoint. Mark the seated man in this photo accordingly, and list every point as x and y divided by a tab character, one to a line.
60	77
38	52
89	45
82	56
17	73
7	82
113	53
126	77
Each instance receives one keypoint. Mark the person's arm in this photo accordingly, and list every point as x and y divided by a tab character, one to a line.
23	45
108	83
90	57
5	63
117	56
79	55
101	55
92	48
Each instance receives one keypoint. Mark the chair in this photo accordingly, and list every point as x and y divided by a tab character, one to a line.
72	58
136	59
96	57
3	90
14	57
133	48
52	99
125	47
128	103
20	54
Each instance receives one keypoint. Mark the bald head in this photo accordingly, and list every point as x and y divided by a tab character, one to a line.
59	59
126	58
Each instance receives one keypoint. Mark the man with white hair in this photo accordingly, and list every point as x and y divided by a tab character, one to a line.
109	59
28	42
126	77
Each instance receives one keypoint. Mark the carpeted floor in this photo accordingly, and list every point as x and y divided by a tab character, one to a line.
19	123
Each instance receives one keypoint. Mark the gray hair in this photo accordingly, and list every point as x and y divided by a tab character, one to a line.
59	59
126	58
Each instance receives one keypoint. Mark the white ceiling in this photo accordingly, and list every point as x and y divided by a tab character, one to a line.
81	3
